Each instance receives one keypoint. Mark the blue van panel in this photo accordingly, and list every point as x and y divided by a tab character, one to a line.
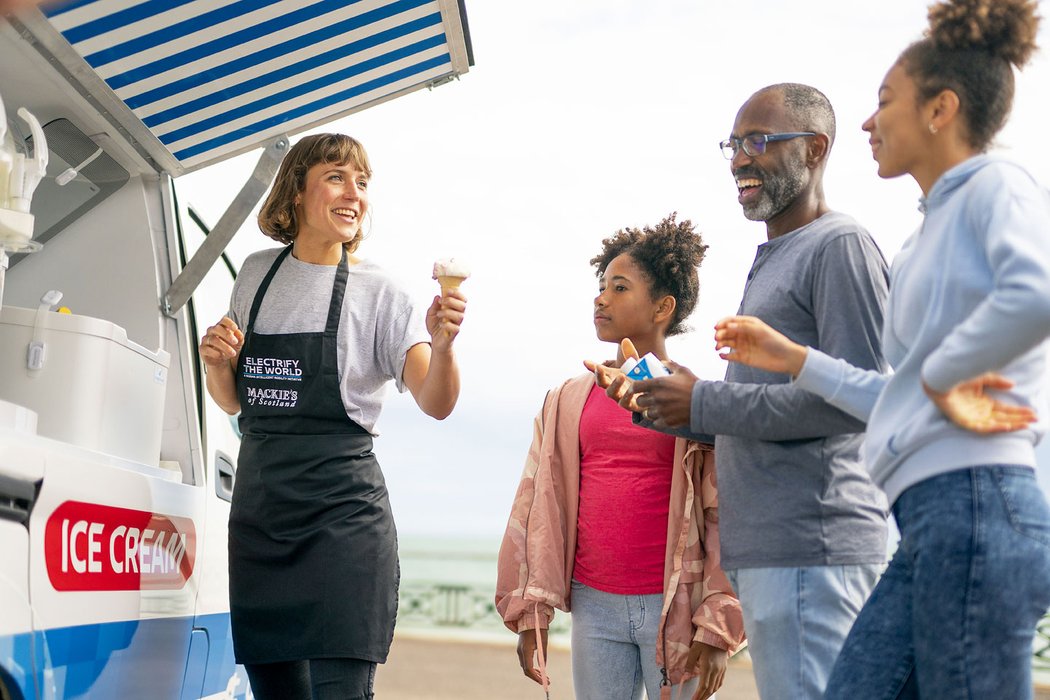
133	659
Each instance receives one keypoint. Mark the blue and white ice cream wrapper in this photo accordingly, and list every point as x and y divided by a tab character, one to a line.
649	367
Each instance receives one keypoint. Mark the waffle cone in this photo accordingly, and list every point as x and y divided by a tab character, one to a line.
447	282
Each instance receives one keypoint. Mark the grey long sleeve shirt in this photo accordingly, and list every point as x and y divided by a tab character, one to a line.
792	490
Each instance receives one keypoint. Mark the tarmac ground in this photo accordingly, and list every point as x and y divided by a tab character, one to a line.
427	669
431	669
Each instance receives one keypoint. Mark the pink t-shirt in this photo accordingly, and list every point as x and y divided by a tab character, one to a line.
625	488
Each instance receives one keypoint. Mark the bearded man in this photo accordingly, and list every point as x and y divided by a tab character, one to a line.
803	529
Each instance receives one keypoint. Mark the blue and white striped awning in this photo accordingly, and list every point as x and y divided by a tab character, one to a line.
211	78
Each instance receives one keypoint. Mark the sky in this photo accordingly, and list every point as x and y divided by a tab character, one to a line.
580	118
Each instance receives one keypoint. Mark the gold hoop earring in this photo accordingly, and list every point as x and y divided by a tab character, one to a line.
933	129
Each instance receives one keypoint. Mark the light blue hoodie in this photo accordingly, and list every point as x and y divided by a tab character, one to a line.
969	294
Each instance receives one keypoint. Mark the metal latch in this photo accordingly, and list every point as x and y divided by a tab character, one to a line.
36	353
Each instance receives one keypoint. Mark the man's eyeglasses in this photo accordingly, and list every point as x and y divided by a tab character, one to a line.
755	144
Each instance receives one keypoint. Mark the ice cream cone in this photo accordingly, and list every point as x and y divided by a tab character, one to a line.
450	273
449	282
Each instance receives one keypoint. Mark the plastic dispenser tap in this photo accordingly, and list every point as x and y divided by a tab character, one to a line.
19	177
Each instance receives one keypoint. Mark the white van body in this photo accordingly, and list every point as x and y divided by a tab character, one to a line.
115	471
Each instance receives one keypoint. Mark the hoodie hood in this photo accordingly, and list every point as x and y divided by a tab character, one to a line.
954	178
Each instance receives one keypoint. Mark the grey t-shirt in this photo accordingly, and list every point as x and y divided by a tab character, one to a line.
378	326
792	490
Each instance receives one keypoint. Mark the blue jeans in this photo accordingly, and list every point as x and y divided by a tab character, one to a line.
614	646
796	621
954	615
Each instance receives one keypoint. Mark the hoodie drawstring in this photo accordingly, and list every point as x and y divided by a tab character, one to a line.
666	689
541	653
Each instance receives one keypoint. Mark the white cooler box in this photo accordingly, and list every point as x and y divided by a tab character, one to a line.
95	388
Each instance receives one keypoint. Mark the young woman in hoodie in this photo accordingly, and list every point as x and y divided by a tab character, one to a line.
951	433
617	522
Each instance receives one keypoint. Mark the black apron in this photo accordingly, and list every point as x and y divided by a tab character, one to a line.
313	551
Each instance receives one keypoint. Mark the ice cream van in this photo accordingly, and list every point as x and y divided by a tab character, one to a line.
115	472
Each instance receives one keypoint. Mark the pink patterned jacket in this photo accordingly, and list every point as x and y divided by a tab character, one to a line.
539	547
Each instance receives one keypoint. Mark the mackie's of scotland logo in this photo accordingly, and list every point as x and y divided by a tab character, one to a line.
281	398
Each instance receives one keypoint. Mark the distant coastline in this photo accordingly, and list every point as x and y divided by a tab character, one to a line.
448	589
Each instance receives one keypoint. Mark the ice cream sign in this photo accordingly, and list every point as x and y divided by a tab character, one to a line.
91	547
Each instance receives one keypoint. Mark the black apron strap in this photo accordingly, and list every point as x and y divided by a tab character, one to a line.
335	306
263	286
330	344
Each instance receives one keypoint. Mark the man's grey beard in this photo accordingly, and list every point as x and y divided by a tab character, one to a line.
778	192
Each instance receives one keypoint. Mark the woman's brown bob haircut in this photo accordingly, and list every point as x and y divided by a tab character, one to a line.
278	217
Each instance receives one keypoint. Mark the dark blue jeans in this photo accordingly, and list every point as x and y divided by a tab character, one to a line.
954	615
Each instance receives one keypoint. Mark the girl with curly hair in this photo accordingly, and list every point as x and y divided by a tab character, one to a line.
619	523
951	434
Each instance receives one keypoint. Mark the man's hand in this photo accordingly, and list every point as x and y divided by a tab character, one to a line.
616	384
665	401
604	374
710	663
969	406
611	378
527	653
